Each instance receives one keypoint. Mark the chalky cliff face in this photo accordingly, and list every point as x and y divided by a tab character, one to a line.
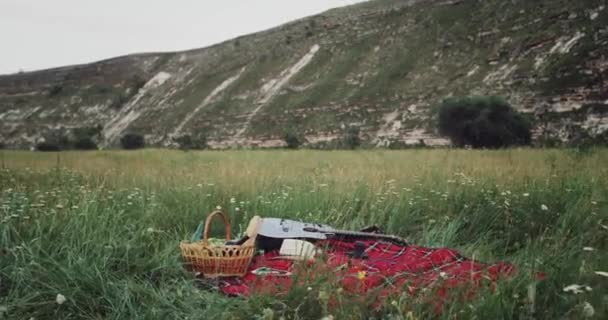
380	66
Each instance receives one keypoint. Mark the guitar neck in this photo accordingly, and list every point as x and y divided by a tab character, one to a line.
369	235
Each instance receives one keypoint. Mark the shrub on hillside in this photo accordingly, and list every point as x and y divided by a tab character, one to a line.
136	82
119	100
188	142
103	88
81	132
2	146
351	139
85	138
292	140
85	143
131	141
482	122
56	140
396	144
55	90
48	146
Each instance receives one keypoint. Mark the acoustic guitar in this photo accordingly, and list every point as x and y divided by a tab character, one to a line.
277	228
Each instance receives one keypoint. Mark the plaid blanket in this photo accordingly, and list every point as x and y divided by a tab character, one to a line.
387	269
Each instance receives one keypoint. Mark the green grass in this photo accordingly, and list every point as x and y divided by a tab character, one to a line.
102	228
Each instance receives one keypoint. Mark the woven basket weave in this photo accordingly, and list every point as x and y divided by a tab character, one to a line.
215	261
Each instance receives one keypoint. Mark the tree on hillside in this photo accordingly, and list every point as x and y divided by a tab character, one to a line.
131	141
482	122
292	140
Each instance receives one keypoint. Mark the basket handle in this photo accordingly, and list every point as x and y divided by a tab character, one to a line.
208	224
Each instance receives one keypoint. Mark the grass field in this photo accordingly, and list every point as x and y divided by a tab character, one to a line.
102	228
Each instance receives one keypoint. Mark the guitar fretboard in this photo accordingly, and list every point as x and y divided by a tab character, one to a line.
367	235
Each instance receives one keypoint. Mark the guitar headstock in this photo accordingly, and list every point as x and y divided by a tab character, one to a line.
252	229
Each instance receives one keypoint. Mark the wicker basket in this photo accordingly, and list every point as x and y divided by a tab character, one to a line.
217	260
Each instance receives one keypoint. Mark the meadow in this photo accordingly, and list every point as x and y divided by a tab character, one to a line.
94	235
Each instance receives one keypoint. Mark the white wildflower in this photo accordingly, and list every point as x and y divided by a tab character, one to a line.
218	207
329	317
200	185
150	230
232	200
588	310
526	194
602	273
60	299
237	209
309	288
443	275
544	207
577	288
588	249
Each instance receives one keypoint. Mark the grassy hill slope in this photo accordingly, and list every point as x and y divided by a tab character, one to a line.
380	66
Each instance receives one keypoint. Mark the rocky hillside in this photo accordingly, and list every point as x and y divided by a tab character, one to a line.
380	66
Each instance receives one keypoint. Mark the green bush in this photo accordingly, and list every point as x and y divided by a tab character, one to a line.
103	88
55	90
119	100
136	82
48	146
351	139
132	141
482	122
84	132
85	143
84	138
292	140
396	144
187	142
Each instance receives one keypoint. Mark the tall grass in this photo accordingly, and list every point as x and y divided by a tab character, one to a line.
102	228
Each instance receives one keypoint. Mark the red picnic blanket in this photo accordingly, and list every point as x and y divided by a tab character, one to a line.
388	269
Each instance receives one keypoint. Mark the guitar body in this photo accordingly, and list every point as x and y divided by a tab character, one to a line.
290	229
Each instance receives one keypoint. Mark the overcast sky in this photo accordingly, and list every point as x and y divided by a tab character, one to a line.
36	34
